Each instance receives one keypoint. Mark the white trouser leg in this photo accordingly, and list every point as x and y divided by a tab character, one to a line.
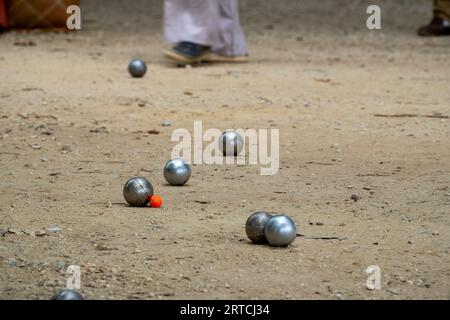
191	20
232	39
213	23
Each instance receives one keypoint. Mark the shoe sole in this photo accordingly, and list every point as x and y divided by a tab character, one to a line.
213	57
174	56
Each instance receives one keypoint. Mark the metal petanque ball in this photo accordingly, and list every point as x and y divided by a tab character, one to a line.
255	225
280	231
137	191
231	143
137	68
68	294
177	172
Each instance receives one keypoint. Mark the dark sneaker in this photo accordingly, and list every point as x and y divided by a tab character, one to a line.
188	52
437	27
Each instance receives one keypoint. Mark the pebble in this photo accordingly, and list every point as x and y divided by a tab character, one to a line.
12	262
54	229
355	197
40	233
340	296
166	123
13	231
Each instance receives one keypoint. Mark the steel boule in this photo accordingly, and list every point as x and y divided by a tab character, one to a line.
280	231
137	191
137	68
177	172
68	294
255	225
231	143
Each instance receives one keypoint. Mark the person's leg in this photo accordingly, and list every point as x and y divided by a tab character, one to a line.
442	9
195	26
231	36
195	21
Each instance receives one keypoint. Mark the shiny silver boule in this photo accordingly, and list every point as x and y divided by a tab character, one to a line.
255	225
137	68
177	172
231	143
68	294
280	231
137	191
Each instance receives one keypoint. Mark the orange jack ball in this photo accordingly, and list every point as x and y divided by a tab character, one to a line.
156	201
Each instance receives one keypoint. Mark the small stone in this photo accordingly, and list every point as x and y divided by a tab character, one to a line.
36	146
66	149
13	231
12	262
340	296
54	229
40	233
166	123
59	265
355	197
103	247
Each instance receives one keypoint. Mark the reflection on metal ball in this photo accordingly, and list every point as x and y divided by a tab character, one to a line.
177	172
231	143
68	294
137	68
254	227
137	191
280	231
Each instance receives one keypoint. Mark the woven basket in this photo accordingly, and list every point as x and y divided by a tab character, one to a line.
41	14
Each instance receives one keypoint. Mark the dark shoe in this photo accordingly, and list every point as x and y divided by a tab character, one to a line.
437	27
188	52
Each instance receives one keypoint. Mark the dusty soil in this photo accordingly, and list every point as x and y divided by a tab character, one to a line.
74	127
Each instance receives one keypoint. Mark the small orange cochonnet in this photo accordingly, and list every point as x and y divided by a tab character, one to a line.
156	201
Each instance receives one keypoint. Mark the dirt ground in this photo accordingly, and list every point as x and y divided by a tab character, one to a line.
75	126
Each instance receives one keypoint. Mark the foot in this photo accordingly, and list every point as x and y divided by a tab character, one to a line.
188	53
437	27
215	57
